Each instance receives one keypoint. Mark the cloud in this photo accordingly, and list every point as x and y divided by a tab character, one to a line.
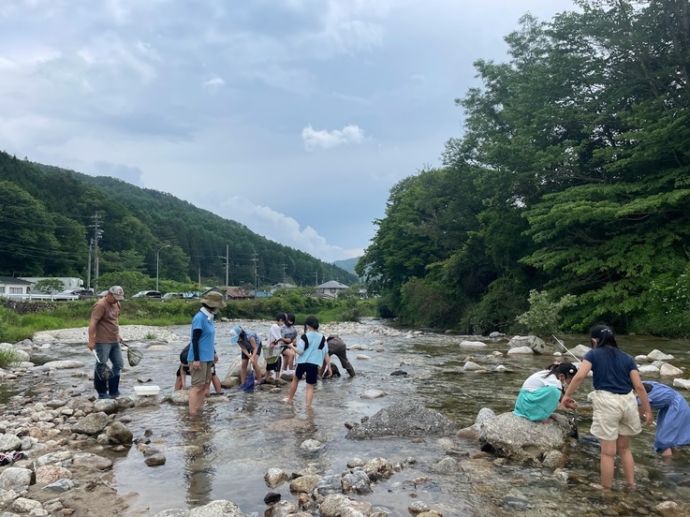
350	134
126	173
214	83
282	228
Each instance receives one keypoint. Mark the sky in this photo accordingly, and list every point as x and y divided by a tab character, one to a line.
293	117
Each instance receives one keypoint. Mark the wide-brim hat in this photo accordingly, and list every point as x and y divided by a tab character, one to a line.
214	300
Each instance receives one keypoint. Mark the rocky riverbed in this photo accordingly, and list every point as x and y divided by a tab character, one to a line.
383	443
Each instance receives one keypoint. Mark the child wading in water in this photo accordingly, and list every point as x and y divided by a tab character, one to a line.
541	393
615	418
312	351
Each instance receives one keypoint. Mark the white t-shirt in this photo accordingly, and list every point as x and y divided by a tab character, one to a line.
541	379
274	335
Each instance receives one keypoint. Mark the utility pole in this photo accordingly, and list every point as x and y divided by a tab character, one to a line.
227	265
255	261
316	278
284	266
199	277
88	269
97	234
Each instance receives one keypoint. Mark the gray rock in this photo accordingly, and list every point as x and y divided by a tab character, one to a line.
181	397
379	468
356	462
474	345
118	433
657	355
417	507
356	481
91	424
338	505
668	370
485	414
471	366
53	457
9	442
219	508
311	445
514	437
305	483
668	508
61	485
275	477
580	351
496	335
536	344
281	509
330	484
24	505
520	350
403	418
125	403
554	459
155	460
7	496
107	406
50	474
447	465
56	403
16	478
681	383
93	461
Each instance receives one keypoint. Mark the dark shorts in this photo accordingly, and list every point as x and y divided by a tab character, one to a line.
275	365
187	372
311	370
248	348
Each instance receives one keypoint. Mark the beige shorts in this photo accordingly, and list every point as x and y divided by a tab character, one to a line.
202	375
614	415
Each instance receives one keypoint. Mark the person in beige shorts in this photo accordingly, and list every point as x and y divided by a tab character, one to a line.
615	417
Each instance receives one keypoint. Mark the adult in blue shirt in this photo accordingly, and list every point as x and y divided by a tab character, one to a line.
615	415
202	354
312	351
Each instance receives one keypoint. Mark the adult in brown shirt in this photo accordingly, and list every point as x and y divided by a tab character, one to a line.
104	338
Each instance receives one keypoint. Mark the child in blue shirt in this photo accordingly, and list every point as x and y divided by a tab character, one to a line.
312	351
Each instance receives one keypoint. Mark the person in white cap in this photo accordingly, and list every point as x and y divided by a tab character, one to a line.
104	338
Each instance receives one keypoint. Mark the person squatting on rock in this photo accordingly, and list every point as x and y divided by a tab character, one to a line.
337	347
311	351
250	349
288	337
541	393
672	420
202	354
183	370
615	412
105	339
274	349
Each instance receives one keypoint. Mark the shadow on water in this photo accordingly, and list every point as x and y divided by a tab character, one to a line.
225	453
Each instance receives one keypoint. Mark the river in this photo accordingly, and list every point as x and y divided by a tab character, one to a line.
242	435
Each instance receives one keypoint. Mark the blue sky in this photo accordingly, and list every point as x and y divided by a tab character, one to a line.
293	117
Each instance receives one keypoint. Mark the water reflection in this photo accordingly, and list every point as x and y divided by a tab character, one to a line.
199	457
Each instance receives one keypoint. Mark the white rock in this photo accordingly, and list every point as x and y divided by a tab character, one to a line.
472	344
311	445
648	369
641	358
15	478
363	357
497	353
9	442
62	365
520	350
668	370
471	366
500	368
24	505
681	383
557	354
373	394
657	355
580	351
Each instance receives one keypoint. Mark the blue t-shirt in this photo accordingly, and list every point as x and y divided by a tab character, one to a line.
288	333
207	340
312	354
611	369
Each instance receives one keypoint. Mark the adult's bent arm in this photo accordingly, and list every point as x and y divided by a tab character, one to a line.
582	372
642	395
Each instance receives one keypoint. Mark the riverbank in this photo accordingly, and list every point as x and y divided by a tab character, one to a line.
242	437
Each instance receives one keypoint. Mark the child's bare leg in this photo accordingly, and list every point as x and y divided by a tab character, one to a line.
310	394
627	461
292	390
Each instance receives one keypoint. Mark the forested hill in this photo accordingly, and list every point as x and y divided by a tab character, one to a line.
572	177
48	216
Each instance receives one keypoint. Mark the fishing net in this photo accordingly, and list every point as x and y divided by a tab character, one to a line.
134	356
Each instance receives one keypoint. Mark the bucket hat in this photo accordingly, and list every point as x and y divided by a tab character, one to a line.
213	299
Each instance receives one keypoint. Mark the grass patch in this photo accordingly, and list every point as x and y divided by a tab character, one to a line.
7	358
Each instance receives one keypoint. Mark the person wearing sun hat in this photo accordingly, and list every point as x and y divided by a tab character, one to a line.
202	352
105	339
250	348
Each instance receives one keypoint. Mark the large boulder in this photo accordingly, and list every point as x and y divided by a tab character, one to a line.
16	478
403	418
537	344
681	383
658	355
515	437
668	370
580	351
91	424
9	442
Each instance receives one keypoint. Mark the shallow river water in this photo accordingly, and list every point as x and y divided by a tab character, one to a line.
241	435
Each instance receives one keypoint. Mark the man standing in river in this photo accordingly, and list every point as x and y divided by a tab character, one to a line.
104	338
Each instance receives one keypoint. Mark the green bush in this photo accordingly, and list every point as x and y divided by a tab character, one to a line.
544	314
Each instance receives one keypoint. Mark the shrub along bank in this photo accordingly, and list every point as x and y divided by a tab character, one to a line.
20	320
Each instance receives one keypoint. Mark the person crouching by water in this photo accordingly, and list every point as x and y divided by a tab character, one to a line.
338	348
183	370
250	348
105	339
202	354
672	420
541	393
311	352
615	415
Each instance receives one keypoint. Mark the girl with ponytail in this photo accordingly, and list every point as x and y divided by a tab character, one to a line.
541	393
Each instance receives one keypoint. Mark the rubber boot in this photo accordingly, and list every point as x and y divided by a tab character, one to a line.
100	384
114	386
